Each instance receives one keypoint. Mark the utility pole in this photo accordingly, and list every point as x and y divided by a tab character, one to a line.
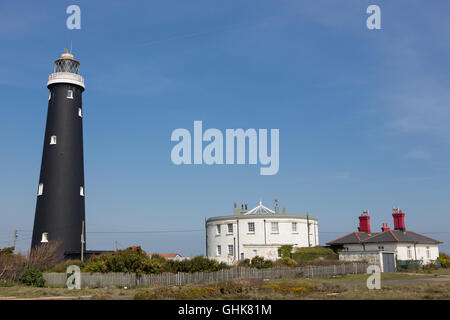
82	241
15	238
307	222
115	244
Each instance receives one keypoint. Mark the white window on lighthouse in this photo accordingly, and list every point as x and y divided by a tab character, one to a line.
40	189
218	229
82	191
69	94
80	113
53	140
44	238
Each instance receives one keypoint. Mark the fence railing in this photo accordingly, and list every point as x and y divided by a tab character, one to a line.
180	279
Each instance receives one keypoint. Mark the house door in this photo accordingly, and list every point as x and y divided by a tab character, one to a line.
388	262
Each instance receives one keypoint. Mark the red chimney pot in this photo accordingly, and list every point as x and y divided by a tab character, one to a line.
399	219
364	222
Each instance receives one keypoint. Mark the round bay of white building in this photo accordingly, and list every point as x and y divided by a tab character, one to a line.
258	232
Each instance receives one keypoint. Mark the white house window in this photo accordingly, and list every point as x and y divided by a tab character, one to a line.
230	228
80	113
40	189
279	253
251	227
53	140
380	247
428	253
82	191
219	250
230	249
294	226
408	252
242	256
69	94
255	253
218	229
275	227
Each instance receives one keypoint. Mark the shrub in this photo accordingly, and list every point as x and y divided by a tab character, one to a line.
444	260
244	263
329	287
285	251
44	256
298	288
430	266
32	277
311	253
7	252
286	261
196	264
11	267
130	260
62	266
259	263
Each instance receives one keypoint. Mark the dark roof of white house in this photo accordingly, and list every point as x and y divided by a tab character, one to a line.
387	236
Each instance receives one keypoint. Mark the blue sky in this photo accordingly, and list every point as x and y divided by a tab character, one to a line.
363	115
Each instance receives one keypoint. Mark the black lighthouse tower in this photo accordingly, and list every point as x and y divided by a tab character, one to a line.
60	209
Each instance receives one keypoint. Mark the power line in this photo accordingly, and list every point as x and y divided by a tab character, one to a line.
155	231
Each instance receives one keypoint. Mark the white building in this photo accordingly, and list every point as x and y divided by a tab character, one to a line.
402	244
258	232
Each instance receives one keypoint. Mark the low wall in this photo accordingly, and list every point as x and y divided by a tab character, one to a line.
179	279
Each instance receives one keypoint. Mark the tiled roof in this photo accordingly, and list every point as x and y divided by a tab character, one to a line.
401	236
354	237
383	237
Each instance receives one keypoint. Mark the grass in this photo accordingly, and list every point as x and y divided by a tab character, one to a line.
314	288
410	291
352	278
440	271
25	292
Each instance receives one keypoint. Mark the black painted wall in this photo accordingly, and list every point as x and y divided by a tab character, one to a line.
60	210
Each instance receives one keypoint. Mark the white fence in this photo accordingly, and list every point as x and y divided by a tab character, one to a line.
180	279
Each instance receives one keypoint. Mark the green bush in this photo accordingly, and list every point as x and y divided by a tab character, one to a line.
32	277
135	260
196	264
311	253
444	260
286	261
62	266
285	251
259	263
7	252
245	263
130	260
